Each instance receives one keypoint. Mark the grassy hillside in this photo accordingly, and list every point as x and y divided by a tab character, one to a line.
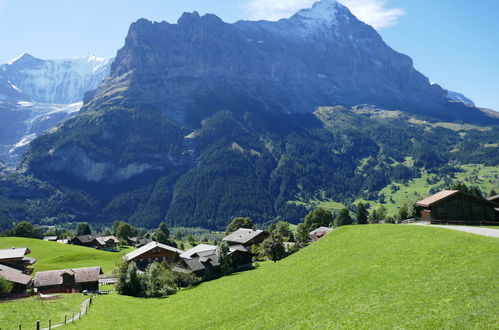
27	311
377	276
52	255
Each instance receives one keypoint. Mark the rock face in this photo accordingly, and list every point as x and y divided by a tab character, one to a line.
320	56
37	94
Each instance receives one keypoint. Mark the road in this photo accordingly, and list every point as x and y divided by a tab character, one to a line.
468	229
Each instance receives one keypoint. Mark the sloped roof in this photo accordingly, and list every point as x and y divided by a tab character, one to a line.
242	235
201	248
103	240
14	275
428	201
320	230
239	247
134	254
86	238
494	199
14	253
54	277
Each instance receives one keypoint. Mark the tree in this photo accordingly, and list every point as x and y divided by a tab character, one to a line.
25	229
318	218
343	219
381	213
403	213
273	248
302	233
163	235
475	191
83	229
124	231
224	258
158	280
5	287
239	222
128	280
361	214
373	217
282	229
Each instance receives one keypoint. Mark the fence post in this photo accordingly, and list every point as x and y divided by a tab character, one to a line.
19	327
65	319
50	324
38	325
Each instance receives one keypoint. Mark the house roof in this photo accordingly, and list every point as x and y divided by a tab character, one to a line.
239	247
14	275
428	201
50	238
242	235
198	264
320	231
54	277
13	253
86	238
494	199
201	248
134	254
29	260
103	240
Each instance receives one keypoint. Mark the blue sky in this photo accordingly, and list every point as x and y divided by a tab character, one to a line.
455	43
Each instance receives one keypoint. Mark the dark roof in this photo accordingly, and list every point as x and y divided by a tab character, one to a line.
101	240
14	275
29	260
200	263
243	235
54	277
140	241
13	253
198	250
85	238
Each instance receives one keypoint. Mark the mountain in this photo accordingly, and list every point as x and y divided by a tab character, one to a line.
455	96
37	94
202	120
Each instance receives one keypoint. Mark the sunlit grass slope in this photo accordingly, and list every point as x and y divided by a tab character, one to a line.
52	255
372	276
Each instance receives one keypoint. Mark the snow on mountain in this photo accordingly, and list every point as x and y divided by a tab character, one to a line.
38	94
59	81
458	97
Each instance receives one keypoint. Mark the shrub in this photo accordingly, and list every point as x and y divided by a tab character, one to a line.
183	280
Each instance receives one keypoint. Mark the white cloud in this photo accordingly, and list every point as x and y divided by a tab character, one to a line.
372	12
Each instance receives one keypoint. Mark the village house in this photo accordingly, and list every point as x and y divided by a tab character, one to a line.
138	241
21	282
68	280
318	233
96	241
457	207
50	238
246	237
202	260
153	251
16	258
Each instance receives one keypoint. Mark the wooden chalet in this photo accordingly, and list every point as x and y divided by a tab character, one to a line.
16	258
96	241
318	233
457	207
153	251
139	241
68	280
21	282
246	237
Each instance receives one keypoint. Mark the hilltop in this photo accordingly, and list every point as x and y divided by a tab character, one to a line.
371	276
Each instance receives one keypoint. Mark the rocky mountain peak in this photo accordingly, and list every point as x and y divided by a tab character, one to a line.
324	12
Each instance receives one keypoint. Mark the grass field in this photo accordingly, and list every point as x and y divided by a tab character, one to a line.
52	255
27	311
371	276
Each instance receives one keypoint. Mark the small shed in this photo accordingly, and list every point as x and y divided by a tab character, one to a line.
68	280
318	233
457	207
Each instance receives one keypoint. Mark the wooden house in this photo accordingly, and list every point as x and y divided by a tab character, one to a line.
16	258
68	280
456	207
21	282
96	241
246	237
153	251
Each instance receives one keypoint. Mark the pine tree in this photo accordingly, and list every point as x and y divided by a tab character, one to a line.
343	219
361	214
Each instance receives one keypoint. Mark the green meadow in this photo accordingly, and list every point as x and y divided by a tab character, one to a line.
27	311
370	276
52	255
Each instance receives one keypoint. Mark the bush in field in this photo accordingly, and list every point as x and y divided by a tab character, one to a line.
158	280
183	280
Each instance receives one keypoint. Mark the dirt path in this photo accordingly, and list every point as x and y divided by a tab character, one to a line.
468	229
